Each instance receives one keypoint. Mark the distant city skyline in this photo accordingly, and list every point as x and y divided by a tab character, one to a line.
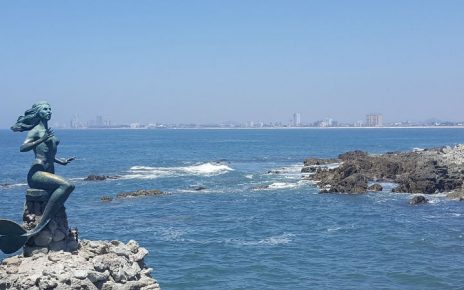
371	120
213	61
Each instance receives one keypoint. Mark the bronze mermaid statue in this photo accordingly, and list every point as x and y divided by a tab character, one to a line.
42	141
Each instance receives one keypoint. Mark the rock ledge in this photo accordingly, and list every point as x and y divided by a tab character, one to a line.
106	265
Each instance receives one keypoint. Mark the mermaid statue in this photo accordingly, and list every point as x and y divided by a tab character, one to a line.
42	141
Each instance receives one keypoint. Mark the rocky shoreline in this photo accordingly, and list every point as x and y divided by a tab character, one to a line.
105	265
426	171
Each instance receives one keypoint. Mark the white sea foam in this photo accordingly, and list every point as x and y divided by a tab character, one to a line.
269	241
291	171
282	185
249	176
7	185
203	169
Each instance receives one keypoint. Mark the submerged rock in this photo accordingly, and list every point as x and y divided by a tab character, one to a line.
97	265
106	198
139	193
418	199
100	177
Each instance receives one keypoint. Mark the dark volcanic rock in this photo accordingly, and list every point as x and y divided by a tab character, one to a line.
375	187
139	193
106	198
428	171
355	183
418	199
99	177
352	155
308	169
199	188
318	161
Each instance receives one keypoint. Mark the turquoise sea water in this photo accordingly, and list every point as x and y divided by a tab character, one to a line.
234	236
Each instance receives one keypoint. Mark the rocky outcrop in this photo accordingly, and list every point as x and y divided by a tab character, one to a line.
318	161
427	171
96	265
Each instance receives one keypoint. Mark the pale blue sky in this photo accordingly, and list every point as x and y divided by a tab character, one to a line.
212	61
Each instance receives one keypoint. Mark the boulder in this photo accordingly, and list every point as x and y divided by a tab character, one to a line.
418	199
375	187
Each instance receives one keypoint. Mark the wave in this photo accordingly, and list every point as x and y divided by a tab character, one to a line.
269	241
8	185
284	185
203	169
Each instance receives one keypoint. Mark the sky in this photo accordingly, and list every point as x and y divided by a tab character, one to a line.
232	60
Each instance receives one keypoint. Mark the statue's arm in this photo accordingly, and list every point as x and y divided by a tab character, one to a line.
33	139
64	161
30	143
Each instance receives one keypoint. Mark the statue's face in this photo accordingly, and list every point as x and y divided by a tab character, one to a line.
45	112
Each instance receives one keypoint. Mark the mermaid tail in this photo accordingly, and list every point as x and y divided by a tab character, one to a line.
12	236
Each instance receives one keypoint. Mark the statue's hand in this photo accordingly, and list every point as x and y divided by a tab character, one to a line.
48	134
68	160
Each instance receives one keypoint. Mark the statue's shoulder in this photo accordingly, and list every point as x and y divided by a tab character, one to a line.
35	133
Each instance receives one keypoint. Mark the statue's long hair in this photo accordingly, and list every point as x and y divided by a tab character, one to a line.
30	119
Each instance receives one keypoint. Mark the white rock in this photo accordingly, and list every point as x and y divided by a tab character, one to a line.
63	270
80	274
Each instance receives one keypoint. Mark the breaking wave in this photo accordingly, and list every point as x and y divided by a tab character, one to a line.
204	169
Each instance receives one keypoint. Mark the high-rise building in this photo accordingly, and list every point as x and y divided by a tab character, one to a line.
296	119
99	121
374	120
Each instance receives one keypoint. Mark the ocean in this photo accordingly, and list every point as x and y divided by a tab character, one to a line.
256	224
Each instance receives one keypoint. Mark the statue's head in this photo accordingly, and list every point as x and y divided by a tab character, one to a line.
39	111
44	111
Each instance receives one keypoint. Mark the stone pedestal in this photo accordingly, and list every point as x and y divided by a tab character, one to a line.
56	236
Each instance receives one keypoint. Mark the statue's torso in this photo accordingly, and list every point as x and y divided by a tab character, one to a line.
45	153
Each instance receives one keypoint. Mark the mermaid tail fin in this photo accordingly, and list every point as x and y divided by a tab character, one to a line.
12	236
